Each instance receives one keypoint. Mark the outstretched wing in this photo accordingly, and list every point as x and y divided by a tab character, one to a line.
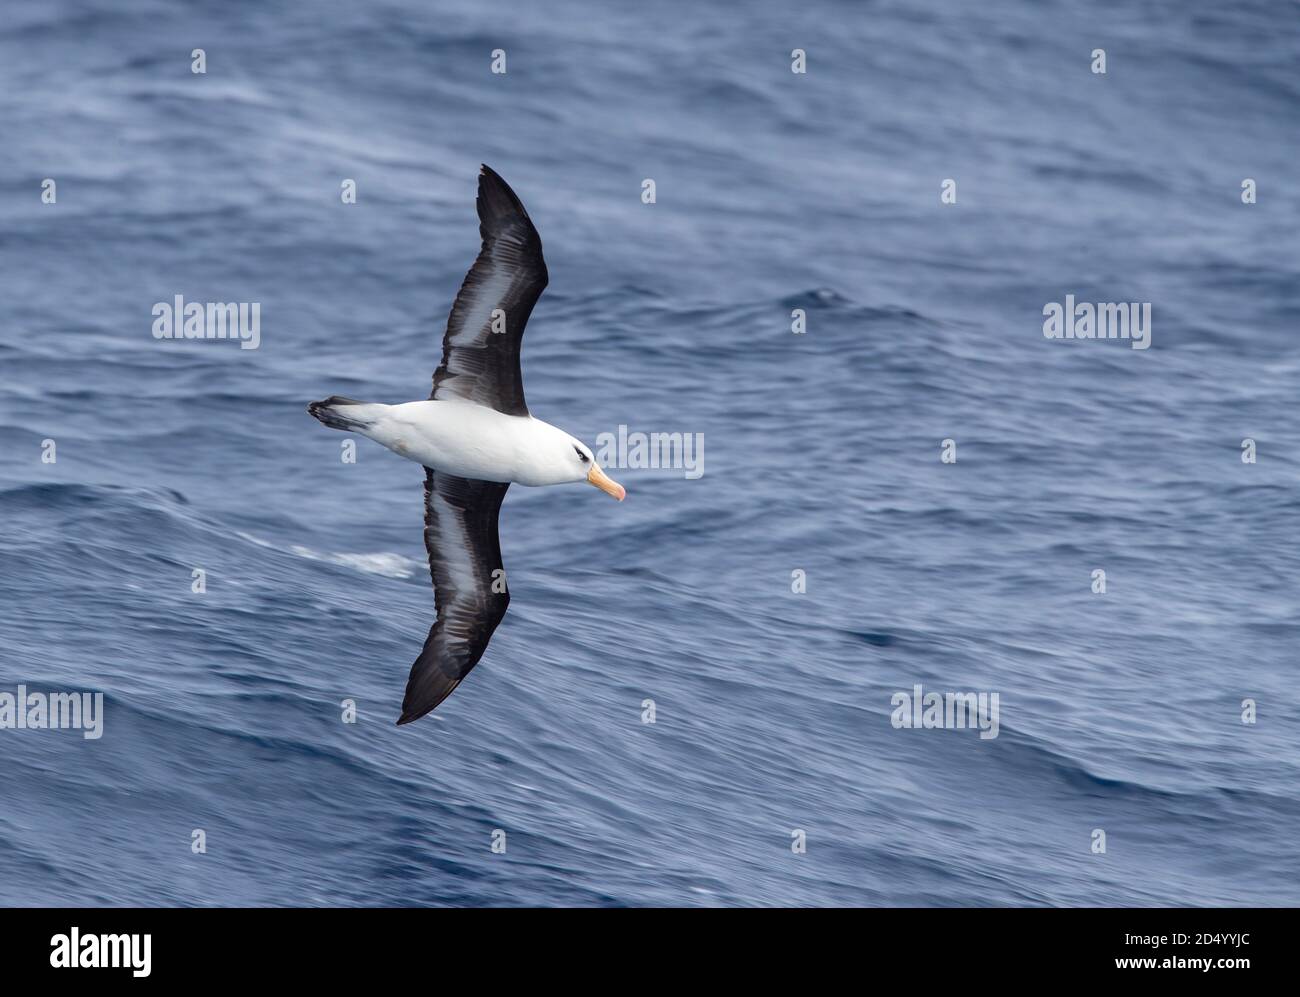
480	351
460	534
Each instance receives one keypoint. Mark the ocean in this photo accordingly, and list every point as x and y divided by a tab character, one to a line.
837	294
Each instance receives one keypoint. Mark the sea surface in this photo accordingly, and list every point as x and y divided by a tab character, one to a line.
775	192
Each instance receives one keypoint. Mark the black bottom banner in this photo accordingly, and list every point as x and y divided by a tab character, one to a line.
218	946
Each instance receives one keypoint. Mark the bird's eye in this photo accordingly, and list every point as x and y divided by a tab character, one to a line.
581	456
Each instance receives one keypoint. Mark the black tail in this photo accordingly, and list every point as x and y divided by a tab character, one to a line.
333	412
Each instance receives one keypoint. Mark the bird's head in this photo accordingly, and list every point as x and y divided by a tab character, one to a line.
583	467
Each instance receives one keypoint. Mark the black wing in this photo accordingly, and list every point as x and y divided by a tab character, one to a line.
460	534
479	364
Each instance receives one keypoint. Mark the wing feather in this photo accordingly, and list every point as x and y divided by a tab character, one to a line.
480	358
470	594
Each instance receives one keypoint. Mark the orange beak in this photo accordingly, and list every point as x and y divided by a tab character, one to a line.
605	483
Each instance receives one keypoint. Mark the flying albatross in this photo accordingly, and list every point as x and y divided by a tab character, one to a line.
474	435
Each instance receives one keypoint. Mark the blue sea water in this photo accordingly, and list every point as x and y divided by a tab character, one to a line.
775	191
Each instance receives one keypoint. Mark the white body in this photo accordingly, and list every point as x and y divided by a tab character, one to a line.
471	441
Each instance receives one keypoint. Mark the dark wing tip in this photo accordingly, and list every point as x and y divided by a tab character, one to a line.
497	203
427	687
412	711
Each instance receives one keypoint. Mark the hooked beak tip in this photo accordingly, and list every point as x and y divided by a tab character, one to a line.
605	483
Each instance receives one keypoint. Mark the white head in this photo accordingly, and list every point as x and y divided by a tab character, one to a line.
557	458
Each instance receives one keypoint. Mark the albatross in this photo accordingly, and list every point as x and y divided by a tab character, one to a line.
475	437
